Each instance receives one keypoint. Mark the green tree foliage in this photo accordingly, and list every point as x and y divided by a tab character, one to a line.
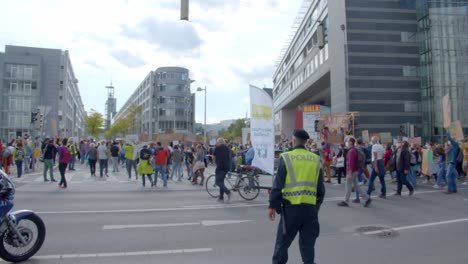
234	131
94	123
125	124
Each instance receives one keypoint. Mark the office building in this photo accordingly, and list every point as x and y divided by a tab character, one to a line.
443	44
167	104
42	81
357	56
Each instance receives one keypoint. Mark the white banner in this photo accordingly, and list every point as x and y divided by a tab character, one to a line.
262	134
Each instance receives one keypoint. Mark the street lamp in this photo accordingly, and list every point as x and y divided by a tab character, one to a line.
199	89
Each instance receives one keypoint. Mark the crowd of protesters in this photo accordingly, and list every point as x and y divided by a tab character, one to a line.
402	161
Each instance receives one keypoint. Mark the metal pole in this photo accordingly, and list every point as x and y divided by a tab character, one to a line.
204	132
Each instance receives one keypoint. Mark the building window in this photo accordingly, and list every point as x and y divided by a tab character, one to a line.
13	104
162	87
27	73
13	87
27	88
14	70
26	105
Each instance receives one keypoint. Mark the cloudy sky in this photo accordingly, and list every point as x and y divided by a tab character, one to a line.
227	44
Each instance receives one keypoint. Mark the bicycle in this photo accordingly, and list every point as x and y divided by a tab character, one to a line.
245	183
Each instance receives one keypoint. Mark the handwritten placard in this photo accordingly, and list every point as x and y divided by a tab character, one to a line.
447	111
456	130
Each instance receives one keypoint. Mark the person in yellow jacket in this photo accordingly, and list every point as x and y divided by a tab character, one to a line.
72	148
130	159
297	194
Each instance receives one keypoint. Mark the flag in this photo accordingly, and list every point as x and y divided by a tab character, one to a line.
262	133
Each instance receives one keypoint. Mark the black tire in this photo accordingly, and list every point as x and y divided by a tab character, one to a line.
248	188
5	239
211	188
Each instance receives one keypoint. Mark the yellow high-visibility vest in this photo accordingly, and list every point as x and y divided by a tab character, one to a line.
302	174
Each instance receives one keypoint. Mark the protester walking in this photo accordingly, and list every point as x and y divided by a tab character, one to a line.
115	152
403	167
49	149
352	170
199	166
130	159
18	156
73	152
102	157
65	156
340	163
176	163
161	156
222	156
144	167
92	159
378	168
189	158
452	154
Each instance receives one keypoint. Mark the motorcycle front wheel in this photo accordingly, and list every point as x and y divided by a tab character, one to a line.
33	231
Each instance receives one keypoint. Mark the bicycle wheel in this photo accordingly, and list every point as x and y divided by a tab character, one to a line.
248	188
211	187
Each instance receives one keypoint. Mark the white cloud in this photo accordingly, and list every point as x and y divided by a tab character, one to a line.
227	45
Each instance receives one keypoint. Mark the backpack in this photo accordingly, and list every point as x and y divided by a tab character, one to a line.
66	155
391	164
114	151
6	152
19	154
361	162
368	155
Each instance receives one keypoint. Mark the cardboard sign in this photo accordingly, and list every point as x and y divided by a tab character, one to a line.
456	131
447	111
416	141
386	138
365	136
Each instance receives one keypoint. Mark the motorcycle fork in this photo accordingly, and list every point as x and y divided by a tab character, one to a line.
11	222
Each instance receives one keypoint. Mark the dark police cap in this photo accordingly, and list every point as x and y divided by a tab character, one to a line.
301	134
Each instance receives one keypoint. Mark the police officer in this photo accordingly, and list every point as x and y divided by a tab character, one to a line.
297	194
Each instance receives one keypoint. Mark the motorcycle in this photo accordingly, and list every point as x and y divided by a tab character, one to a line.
22	232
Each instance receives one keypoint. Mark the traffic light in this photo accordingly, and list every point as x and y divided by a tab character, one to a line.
33	117
184	10
41	120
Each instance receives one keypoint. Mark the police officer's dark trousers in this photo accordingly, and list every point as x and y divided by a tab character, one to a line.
302	219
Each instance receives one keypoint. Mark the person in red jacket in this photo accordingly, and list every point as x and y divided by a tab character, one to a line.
352	175
161	155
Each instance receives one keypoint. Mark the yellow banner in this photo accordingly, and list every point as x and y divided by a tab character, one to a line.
261	112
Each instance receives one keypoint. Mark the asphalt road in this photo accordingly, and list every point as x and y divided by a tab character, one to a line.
117	221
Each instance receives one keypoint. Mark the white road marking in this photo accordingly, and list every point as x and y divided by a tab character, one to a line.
200	207
202	223
122	254
417	226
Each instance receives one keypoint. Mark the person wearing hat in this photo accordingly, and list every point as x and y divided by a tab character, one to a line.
297	193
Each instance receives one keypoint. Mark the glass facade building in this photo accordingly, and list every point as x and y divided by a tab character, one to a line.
166	101
443	39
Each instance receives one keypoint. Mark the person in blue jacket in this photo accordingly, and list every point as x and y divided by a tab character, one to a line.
452	164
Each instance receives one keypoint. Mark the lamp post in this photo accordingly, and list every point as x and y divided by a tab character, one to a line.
199	89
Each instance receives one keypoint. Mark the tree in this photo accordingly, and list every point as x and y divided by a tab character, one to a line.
94	123
134	113
120	126
234	131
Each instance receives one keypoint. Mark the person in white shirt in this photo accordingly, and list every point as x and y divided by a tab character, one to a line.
378	167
